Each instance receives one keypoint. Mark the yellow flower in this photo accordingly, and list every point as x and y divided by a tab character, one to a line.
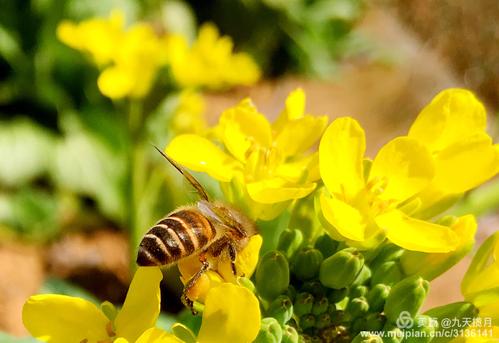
452	127
56	318
60	319
98	37
231	314
189	114
364	209
480	284
431	265
221	270
263	166
130	57
210	62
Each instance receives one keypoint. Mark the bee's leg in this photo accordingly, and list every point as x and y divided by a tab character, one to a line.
233	255
192	281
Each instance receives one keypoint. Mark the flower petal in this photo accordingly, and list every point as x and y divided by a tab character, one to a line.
199	154
417	235
246	261
296	171
347	220
141	308
406	165
274	190
155	335
466	164
231	314
57	318
297	136
115	82
242	126
452	115
341	154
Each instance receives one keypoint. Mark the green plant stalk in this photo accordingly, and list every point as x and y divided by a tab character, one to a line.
479	202
133	151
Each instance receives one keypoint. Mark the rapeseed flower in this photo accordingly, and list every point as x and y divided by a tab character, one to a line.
263	166
189	113
220	269
56	318
453	127
363	205
130	57
210	61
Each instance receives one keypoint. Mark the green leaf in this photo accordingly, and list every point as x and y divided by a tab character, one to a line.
26	150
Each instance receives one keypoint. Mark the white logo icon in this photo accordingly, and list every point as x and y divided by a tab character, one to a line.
405	321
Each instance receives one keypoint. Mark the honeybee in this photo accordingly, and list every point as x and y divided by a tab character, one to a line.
207	228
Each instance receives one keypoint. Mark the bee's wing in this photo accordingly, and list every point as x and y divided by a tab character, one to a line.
192	180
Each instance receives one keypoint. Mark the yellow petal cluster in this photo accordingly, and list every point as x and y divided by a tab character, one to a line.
60	319
410	177
452	127
262	166
210	61
220	269
130	57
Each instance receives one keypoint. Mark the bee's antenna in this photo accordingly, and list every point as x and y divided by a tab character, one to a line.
192	180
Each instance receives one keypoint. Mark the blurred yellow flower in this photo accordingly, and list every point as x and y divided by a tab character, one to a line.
364	209
189	114
263	166
57	318
130	58
452	127
210	61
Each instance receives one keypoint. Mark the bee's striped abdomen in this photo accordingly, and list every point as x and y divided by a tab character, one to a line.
177	236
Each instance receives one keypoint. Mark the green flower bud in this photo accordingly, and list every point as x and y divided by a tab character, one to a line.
109	310
270	332
357	307
323	320
338	317
406	296
289	335
363	277
458	310
290	241
341	269
421	331
388	273
306	263
303	303
291	292
272	275
367	338
358	325
394	335
326	245
374	322
358	291
281	309
314	287
388	252
331	308
337	295
307	321
245	282
376	297
320	306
